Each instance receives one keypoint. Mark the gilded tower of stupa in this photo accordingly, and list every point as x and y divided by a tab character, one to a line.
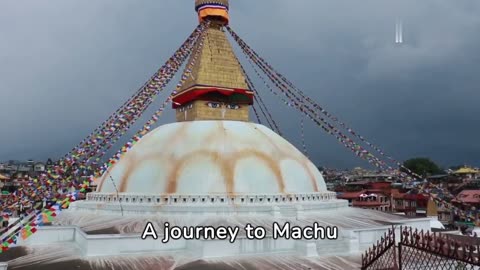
216	89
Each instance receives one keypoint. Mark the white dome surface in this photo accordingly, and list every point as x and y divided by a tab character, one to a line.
213	157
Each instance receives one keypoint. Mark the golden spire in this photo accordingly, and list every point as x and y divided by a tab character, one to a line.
216	88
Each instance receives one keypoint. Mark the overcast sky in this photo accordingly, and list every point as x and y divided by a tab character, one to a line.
66	65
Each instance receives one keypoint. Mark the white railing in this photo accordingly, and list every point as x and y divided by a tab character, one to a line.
237	199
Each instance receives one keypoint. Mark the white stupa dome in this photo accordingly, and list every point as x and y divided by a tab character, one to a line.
213	157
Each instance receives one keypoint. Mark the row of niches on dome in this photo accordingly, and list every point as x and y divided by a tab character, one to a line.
211	199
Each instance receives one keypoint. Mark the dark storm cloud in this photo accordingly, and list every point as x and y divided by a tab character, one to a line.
66	65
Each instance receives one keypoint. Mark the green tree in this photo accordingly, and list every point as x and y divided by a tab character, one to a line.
422	166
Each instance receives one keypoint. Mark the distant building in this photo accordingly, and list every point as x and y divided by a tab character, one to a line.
39	167
467	173
445	216
4	180
411	205
374	199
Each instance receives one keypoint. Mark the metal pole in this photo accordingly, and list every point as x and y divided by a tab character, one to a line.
400	250
119	202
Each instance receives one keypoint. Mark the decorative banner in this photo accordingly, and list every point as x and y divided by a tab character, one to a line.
268	117
256	114
316	105
350	144
146	128
303	103
302	134
117	125
70	177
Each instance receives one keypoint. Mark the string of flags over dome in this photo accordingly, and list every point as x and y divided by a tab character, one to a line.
78	169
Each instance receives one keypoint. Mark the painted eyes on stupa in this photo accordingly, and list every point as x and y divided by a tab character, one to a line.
216	105
233	107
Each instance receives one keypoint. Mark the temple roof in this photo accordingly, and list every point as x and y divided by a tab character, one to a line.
465	170
216	64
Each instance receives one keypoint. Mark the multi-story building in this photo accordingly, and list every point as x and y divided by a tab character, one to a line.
374	199
366	194
409	204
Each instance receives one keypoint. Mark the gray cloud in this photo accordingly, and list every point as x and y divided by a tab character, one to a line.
66	65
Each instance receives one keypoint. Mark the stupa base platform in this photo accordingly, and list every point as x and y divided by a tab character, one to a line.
59	257
98	240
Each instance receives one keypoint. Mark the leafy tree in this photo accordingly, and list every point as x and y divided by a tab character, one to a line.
422	166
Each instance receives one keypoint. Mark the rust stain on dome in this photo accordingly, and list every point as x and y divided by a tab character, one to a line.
179	165
175	138
272	164
221	145
128	171
312	177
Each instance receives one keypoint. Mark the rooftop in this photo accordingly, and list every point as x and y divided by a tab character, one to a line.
466	170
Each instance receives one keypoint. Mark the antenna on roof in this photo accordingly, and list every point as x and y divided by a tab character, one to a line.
399	32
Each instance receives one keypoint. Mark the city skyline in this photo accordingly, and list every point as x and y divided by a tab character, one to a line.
409	100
